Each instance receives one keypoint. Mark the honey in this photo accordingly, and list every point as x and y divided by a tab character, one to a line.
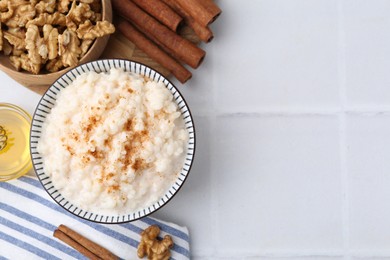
15	158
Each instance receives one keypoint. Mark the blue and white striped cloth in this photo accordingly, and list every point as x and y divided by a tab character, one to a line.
28	217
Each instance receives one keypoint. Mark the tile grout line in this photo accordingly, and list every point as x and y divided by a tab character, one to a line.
213	171
213	193
343	128
288	112
345	186
300	254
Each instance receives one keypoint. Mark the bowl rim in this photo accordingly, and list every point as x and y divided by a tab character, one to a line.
160	78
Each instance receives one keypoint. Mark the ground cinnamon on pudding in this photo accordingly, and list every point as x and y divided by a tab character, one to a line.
133	147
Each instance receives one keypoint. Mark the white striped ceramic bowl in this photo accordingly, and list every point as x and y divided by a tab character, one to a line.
48	101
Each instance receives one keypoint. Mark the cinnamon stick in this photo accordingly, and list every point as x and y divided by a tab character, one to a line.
211	7
154	40
204	33
66	239
153	51
85	242
162	12
158	44
180	47
197	11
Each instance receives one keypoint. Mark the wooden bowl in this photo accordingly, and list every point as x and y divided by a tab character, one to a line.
44	79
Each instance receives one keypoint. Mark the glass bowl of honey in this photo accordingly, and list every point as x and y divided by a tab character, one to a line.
15	158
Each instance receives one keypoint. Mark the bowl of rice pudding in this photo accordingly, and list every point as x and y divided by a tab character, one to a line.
112	141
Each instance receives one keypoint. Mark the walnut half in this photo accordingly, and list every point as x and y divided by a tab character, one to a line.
23	62
6	10
69	48
88	31
153	248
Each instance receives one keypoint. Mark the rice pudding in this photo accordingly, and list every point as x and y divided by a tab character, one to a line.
114	142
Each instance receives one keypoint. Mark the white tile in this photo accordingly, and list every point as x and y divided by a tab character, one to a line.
291	54
17	94
367	30
370	258
369	182
198	91
278	184
191	205
300	258
202	258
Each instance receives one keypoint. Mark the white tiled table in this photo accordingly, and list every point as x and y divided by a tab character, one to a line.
292	112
